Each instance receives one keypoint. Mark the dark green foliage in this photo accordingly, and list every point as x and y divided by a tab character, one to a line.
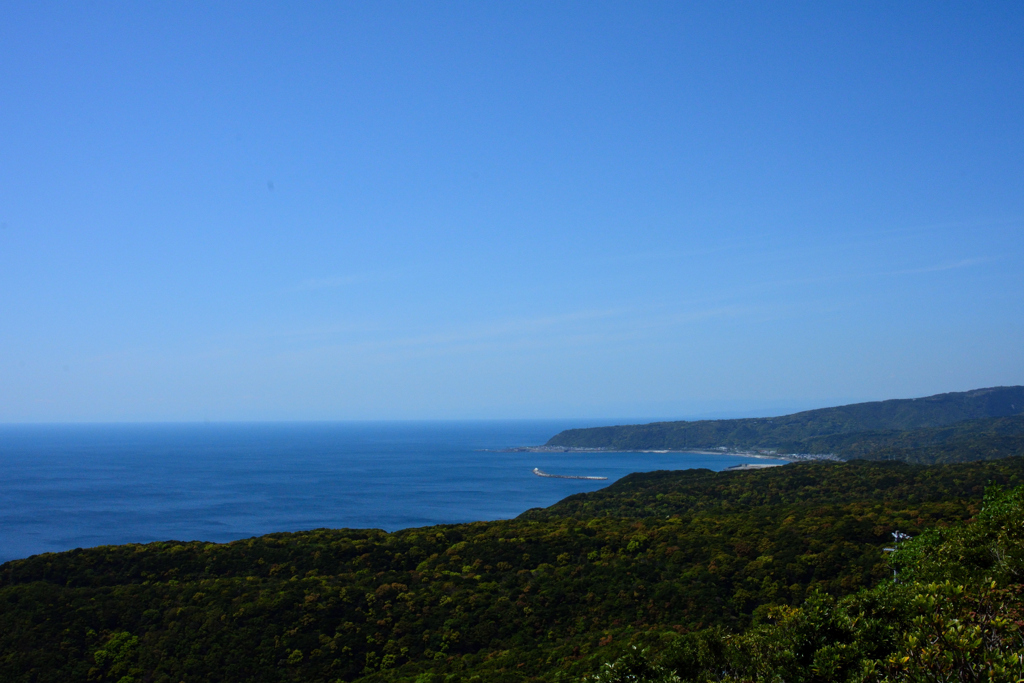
990	550
633	667
957	614
964	442
552	594
859	430
967	441
689	492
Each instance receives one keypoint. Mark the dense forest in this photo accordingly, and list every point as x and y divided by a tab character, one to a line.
954	611
660	576
955	427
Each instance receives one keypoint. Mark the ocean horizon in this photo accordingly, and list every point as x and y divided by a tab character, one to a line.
67	486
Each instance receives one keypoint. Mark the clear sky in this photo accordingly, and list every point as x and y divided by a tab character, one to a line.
379	210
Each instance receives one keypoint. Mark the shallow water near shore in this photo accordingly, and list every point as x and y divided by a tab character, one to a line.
70	486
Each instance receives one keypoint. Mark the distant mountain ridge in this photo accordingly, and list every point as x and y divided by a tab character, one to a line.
987	420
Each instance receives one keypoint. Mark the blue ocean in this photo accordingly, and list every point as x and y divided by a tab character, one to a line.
77	486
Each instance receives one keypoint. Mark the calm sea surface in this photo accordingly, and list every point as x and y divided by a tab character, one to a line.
64	487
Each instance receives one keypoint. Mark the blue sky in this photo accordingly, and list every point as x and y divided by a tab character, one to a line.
292	211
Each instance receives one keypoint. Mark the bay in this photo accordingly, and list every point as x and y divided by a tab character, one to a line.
71	486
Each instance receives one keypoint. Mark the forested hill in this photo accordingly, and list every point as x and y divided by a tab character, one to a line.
546	597
879	424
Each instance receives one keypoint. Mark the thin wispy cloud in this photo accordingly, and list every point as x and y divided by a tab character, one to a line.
835	278
542	329
577	329
509	328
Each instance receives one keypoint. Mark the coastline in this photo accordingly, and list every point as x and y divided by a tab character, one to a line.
762	453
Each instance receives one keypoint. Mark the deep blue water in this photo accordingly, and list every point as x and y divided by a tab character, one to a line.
71	486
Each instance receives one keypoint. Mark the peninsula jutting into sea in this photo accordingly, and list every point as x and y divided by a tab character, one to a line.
948	427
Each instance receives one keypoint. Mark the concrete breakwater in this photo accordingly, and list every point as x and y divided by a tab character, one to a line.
565	476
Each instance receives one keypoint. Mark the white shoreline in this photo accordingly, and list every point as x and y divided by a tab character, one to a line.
788	457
